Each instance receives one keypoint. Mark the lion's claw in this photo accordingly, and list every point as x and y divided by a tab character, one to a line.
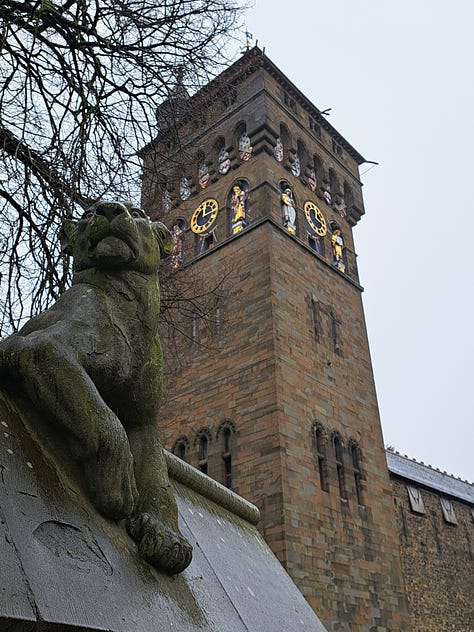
159	545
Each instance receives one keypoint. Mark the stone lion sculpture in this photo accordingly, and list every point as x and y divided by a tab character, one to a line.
92	364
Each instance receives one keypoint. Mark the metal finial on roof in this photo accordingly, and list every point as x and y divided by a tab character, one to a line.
248	42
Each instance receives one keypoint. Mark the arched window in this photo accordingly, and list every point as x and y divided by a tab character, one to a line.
319	439
227	457
203	452
181	448
203	444
339	456
333	182
355	460
317	165
348	196
225	434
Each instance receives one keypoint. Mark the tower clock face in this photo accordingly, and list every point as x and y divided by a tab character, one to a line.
204	217
315	219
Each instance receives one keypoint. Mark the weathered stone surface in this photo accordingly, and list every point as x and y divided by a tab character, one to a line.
65	567
92	364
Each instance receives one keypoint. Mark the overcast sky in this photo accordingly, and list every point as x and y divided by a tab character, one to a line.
399	79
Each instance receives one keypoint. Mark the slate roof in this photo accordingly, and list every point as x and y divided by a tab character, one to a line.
429	477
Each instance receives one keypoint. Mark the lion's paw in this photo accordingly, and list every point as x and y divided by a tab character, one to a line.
161	546
111	479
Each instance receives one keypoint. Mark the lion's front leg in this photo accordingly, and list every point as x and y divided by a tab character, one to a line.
51	376
154	523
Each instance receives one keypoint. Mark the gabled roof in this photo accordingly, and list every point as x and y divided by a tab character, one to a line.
429	477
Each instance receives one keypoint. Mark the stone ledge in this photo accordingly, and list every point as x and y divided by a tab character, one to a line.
192	478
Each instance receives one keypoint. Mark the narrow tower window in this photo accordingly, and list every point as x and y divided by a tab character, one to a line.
320	448
338	452
355	457
203	453
180	448
315	317
334	333
227	458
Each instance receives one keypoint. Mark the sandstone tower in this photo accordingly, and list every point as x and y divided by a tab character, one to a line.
273	395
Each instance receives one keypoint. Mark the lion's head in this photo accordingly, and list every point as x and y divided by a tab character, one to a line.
115	235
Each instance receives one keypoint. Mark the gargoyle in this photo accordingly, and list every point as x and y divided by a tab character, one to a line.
92	364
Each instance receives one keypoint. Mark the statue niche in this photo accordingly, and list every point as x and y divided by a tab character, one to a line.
92	365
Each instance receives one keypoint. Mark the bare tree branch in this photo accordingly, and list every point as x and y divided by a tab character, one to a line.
81	82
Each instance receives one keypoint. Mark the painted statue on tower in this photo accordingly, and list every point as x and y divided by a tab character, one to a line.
337	243
288	211
238	206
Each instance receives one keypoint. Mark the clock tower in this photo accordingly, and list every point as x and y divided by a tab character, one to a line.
269	386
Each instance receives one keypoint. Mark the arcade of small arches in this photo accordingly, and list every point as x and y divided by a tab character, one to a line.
320	181
335	459
304	165
209	452
322	236
338	460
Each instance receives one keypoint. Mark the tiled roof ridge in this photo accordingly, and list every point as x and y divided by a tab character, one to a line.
431	467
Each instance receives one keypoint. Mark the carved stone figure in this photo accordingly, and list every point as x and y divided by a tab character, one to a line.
92	364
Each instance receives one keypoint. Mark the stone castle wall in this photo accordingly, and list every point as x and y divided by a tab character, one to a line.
437	561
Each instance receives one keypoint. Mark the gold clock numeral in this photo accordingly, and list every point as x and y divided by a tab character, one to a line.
315	218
